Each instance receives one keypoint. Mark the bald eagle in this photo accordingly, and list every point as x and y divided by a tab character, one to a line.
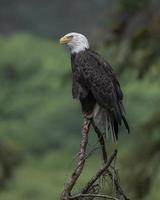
95	85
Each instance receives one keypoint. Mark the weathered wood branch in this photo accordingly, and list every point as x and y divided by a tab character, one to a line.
99	173
92	188
81	161
101	140
114	177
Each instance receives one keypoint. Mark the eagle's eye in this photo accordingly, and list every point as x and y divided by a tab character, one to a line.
70	37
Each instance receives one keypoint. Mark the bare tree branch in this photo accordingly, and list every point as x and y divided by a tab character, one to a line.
101	140
114	177
92	188
81	161
99	173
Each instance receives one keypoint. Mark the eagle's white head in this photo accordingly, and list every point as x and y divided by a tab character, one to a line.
75	41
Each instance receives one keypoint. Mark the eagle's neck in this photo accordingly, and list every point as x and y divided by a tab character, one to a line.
78	49
79	46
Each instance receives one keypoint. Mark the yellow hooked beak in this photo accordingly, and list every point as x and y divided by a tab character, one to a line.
65	40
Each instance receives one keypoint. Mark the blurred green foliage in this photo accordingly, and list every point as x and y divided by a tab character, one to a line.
39	117
33	91
40	123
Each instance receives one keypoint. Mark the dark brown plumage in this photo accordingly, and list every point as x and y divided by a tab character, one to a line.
97	88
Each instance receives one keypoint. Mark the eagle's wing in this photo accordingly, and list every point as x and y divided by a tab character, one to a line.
77	90
99	77
109	73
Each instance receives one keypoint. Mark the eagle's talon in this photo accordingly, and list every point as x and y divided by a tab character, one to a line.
85	128
87	116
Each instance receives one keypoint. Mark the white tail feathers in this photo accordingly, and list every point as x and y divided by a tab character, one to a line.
104	122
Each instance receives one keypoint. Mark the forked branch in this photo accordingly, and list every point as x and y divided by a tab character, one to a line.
92	188
99	173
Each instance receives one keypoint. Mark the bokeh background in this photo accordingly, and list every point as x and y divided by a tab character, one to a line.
40	122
